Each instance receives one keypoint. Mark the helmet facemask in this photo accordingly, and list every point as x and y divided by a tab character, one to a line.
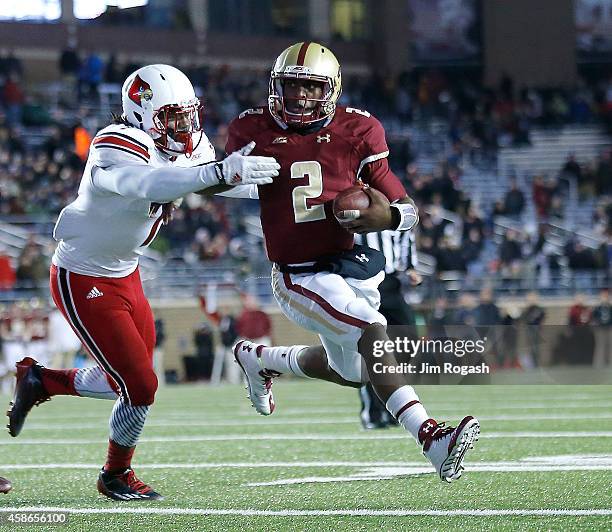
313	110
176	125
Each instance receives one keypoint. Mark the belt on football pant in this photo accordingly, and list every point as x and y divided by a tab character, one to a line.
310	268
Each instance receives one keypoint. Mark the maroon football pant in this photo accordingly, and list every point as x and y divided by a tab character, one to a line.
114	321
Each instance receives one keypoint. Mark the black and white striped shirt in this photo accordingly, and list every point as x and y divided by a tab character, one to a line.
399	248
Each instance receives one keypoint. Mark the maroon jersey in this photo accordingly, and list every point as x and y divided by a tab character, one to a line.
296	210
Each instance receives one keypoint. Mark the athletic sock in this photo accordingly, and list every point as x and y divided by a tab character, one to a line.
119	458
126	423
59	381
405	406
94	382
283	359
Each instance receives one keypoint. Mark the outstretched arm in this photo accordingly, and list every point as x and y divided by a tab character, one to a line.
166	184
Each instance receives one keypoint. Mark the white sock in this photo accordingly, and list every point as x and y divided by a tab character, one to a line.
405	406
93	382
283	359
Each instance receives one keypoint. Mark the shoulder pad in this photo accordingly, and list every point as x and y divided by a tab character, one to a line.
119	144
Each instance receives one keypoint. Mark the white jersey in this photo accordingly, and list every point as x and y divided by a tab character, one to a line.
118	209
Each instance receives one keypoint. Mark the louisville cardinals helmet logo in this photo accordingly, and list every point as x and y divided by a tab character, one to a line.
140	90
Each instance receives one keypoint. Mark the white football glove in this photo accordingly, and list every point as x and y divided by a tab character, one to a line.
240	168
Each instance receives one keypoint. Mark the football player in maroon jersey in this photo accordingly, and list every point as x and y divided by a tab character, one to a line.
320	279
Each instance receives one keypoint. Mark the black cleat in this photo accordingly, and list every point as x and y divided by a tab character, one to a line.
5	485
125	486
29	392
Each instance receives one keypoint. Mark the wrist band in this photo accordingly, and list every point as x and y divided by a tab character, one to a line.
409	216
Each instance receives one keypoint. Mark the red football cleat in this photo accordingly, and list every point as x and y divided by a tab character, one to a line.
125	486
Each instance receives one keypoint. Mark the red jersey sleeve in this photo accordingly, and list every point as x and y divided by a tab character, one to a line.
378	175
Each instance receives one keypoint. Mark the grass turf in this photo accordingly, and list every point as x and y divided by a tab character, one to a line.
223	446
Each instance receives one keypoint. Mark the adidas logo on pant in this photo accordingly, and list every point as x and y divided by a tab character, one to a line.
94	292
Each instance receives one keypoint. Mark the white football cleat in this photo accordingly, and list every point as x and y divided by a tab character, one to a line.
259	379
446	447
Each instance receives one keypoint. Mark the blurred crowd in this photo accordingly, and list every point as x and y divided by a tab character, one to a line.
528	337
43	151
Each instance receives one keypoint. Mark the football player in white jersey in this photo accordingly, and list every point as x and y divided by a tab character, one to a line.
154	154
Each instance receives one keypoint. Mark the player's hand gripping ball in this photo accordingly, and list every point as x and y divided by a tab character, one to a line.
349	203
362	209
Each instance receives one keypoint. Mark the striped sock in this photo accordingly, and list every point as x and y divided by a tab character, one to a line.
127	422
404	404
94	382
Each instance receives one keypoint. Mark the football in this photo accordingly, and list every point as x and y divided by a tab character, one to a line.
349	202
5	485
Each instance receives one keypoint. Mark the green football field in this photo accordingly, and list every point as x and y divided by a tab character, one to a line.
543	462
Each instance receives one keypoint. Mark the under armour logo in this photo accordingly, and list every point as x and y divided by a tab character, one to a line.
324	138
362	258
427	427
280	140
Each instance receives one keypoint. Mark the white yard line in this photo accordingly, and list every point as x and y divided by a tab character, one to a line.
591	462
303	437
343	409
259	421
316	513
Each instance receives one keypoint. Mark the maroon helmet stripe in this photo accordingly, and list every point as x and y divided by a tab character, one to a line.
405	407
302	53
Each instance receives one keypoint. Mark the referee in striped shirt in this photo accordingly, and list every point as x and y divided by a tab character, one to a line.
399	248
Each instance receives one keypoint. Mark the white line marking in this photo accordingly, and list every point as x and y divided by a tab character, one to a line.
315	513
530	463
304	437
259	421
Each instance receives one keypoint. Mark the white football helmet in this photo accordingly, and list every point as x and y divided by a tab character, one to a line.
160	100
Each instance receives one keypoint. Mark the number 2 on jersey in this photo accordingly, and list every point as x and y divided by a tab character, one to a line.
301	211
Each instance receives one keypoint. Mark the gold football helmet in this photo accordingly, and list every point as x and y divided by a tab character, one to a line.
313	62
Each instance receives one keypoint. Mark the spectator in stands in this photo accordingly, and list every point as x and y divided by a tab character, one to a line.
576	343
253	323
580	257
7	273
510	250
440	317
69	67
541	196
603	173
579	313
472	246
90	77
487	312
532	317
471	221
13	99
465	312
449	256
572	169
32	269
514	201
556	210
602	320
